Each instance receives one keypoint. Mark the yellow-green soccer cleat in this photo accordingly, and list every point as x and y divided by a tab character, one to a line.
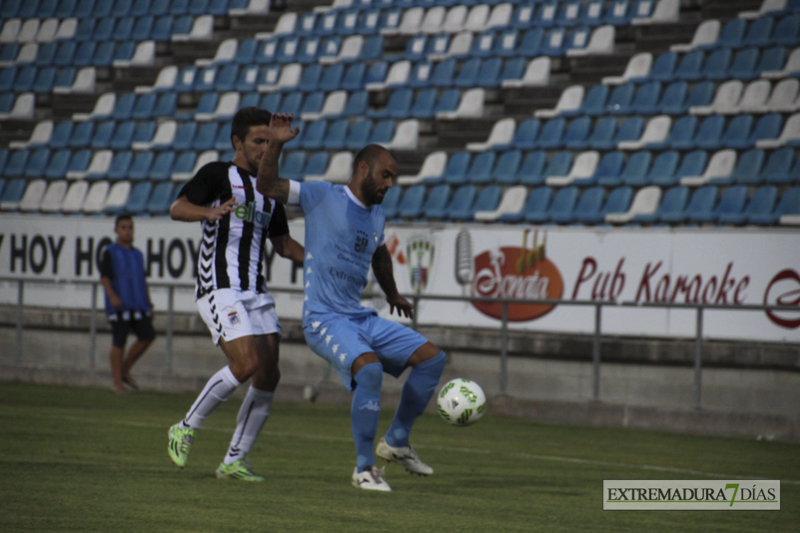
180	441
241	469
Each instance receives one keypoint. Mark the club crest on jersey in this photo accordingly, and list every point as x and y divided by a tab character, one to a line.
250	213
233	318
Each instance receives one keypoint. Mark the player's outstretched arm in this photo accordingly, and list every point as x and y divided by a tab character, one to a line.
279	131
384	273
184	210
288	248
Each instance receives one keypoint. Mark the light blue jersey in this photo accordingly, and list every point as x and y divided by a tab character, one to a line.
341	238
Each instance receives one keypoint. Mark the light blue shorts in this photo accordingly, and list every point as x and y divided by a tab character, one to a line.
340	340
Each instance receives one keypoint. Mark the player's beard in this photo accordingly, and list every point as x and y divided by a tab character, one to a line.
370	192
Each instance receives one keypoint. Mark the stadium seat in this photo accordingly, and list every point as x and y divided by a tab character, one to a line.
339	169
500	137
645	201
480	168
571	102
747	170
32	198
618	201
512	202
536	204
655	133
432	168
560	209
53	196
487	200
673	202
161	199
75	196
531	172
411	204
588	206
731	202
701	201
705	36
786	211
762	202
506	169
778	168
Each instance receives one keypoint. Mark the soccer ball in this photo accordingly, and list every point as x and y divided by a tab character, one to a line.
461	402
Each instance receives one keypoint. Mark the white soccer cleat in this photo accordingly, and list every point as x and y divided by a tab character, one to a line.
405	456
370	479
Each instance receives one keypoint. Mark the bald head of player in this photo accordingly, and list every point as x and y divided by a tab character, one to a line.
249	137
374	171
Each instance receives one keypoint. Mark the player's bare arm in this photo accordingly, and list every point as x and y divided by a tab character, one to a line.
113	299
384	273
184	210
288	248
279	132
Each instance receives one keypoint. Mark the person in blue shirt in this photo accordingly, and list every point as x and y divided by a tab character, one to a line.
344	237
128	305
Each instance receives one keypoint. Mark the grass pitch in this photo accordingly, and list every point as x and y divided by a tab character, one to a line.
74	459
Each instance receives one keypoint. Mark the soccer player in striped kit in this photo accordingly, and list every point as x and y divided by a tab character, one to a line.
231	291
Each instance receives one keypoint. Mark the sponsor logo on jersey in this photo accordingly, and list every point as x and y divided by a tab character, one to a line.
250	213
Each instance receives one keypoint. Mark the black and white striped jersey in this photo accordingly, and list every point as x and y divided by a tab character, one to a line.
232	248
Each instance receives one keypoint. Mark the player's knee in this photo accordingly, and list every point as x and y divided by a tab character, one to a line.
370	378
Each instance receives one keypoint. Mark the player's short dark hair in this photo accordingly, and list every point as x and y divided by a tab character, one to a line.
121	217
246	117
369	154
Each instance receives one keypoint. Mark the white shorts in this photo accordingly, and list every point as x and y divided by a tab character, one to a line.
231	313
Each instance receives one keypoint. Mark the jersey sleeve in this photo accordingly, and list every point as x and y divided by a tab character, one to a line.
278	225
106	266
206	186
312	194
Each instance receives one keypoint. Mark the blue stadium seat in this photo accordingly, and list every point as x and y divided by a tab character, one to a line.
416	48
312	103
44	55
561	209
182	25
161	199
309	79
422	108
199	7
507	167
372	49
398	106
673	99
353	78
25	76
14	190
771	59
634	173
123	135
140	8
647	98
81	135
663	68
183	164
411	204
9	9
732	33
779	169
588	205
103	29
123	29
103	134
737	134
376	73
58	165
708	134
559	164
554	42
759	33
448	101
358	135
137	201
336	135
142	29
789	204
480	169
619	102
120	165
602	136
743	66
454	172
551	134
732	201
489	73
531	44
486	200
248	76
84	54
61	135
292	165
139	168
45	80
80	161
762	202
689	67
617	202
681	136
747	170
370	20
513	69
523	15
787	30
162	28
382	132
390	201
664	171
531	172
313	135
37	163
184	136
332	78
608	170
357	104
317	164
436	202
291	103
673	201
593	104
536	203
701	203
267	51
577	133
717	65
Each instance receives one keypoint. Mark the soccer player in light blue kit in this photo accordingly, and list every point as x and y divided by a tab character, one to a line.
343	237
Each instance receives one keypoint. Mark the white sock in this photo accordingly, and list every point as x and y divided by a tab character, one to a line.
217	390
252	416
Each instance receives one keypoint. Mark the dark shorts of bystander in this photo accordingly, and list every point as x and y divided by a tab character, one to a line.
142	328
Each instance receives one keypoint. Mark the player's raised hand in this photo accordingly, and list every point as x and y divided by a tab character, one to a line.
280	127
404	308
222	210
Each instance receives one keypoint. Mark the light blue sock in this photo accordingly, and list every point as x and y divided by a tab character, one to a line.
365	412
417	392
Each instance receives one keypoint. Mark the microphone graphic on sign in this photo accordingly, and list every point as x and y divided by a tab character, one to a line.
464	263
